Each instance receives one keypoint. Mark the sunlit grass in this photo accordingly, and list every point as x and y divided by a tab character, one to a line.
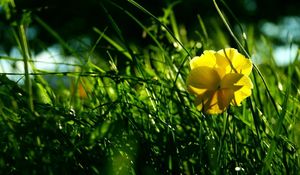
124	108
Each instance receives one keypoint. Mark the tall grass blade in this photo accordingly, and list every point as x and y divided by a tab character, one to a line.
156	19
141	25
56	36
247	54
26	58
203	27
113	43
278	129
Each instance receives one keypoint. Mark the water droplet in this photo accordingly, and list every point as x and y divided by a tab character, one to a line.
238	169
198	45
170	127
244	35
175	44
280	86
72	112
152	121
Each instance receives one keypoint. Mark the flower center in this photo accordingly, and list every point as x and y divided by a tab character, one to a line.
218	86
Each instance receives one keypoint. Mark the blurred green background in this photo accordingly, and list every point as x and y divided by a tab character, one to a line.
74	20
105	91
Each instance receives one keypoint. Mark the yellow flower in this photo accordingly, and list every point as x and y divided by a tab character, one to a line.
219	79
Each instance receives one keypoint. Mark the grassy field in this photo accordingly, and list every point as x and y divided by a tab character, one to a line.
123	107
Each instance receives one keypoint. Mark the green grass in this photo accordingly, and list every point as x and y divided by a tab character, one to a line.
127	110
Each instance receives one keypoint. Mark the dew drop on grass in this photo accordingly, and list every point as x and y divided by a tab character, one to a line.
169	126
70	122
72	112
175	44
152	121
157	130
238	169
198	45
244	35
59	126
280	87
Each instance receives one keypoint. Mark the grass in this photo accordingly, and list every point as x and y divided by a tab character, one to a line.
126	109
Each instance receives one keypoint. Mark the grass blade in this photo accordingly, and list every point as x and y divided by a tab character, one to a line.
26	58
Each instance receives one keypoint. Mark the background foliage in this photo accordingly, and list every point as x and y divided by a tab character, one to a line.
116	100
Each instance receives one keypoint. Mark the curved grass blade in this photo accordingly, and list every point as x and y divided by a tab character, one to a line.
248	55
164	26
113	43
26	58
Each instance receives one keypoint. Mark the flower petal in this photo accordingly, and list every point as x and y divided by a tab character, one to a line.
240	95
245	81
220	78
221	60
242	65
212	104
243	92
237	63
240	84
204	78
225	96
202	99
206	59
196	91
230	80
